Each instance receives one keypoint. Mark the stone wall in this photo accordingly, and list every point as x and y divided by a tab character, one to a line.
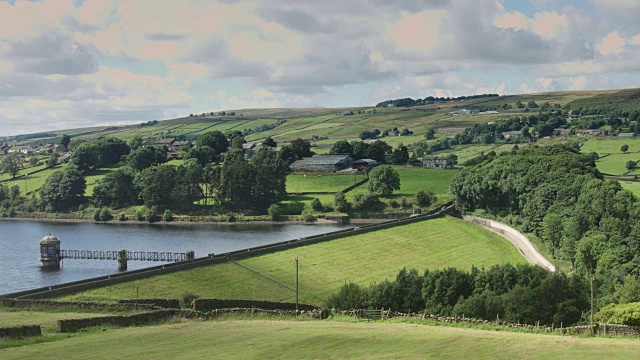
20	331
318	314
50	304
153	317
162	303
213	304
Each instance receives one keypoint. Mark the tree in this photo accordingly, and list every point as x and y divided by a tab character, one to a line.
33	161
552	227
203	154
431	133
236	139
631	165
341	147
62	189
215	140
268	141
86	156
53	160
155	185
111	151
135	142
624	148
425	198
287	154
116	189
64	140
11	164
383	180
301	147
145	157
400	156
359	149
378	151
340	203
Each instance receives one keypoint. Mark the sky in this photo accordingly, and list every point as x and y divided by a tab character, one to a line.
77	63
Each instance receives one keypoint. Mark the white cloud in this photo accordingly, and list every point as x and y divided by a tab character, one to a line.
611	44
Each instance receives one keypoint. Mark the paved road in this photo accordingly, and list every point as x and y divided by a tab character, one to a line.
516	238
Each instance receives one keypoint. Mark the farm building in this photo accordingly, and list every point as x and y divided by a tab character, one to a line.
438	162
364	164
591	132
451	130
23	149
324	162
626	135
512	134
465	112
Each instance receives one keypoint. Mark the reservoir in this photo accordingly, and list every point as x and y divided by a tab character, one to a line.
19	249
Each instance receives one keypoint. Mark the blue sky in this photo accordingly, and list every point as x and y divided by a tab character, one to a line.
76	63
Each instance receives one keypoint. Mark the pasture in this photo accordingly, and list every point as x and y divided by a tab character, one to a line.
415	179
324	267
291	339
319	183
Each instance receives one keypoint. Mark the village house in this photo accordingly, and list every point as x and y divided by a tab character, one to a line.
437	162
591	132
512	134
465	112
562	132
22	149
335	162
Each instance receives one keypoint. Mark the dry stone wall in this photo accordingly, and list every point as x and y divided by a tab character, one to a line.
213	304
20	331
163	303
50	304
153	317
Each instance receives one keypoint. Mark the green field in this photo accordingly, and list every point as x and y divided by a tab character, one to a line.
610	145
272	339
413	180
632	186
93	178
615	164
332	183
324	267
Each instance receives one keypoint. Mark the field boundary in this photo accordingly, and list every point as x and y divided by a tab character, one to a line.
211	259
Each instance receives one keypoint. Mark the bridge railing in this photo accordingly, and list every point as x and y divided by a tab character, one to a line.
131	255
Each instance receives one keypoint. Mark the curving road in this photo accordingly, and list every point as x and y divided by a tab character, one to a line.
516	238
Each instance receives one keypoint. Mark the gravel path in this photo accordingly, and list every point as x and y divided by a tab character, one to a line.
516	238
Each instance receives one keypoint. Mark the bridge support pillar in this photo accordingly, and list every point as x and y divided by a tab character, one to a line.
122	260
190	255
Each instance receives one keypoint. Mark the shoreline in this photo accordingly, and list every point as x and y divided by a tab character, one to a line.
190	223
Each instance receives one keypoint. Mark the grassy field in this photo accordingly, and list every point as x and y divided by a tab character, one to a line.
324	267
615	164
413	180
632	186
272	339
47	319
333	183
610	145
93	178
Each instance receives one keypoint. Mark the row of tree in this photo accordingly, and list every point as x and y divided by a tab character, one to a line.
520	294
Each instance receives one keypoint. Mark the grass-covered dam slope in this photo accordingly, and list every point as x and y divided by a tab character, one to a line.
260	339
324	267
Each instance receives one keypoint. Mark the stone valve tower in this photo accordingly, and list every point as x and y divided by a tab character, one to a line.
50	252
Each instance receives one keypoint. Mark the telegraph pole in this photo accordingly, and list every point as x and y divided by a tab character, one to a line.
592	306
296	285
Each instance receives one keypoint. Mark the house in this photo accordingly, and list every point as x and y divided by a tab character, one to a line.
364	164
163	142
334	162
512	134
451	130
626	135
437	162
179	144
22	149
562	132
465	112
591	132
571	117
4	148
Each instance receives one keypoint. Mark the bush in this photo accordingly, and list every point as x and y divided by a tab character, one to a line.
140	215
274	212
367	202
405	203
394	203
624	314
350	296
151	215
228	218
341	204
96	215
307	216
316	205
425	198
186	298
167	216
105	215
122	217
